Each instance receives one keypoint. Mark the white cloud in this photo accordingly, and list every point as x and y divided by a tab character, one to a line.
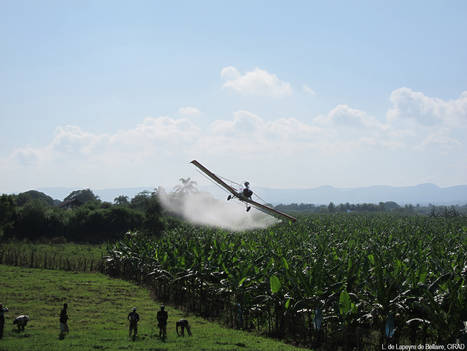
159	147
166	129
73	140
293	129
347	117
246	125
440	139
308	90
257	82
424	121
409	105
230	73
152	137
189	111
246	134
26	156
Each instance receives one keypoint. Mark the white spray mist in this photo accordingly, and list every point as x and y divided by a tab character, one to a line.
202	208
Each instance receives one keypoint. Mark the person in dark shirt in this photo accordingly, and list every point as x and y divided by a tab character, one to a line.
162	317
247	191
2	319
63	322
183	323
133	317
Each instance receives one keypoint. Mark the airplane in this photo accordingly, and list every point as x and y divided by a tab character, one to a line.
243	195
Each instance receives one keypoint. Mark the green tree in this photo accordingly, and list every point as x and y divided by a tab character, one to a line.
55	222
141	201
153	224
79	197
123	219
33	195
7	213
121	201
31	221
102	224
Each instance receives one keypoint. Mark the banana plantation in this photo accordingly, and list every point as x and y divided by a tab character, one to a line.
357	281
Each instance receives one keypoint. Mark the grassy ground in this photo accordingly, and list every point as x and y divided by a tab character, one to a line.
98	307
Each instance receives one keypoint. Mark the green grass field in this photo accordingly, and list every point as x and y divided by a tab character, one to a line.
98	308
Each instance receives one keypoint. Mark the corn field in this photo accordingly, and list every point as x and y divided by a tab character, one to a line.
354	280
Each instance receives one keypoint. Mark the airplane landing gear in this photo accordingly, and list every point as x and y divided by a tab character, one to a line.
248	208
229	197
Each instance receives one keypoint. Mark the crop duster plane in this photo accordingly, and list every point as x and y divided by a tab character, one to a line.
243	195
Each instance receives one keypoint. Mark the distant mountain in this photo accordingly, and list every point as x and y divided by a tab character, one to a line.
422	194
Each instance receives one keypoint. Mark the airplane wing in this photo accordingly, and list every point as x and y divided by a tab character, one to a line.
269	210
215	178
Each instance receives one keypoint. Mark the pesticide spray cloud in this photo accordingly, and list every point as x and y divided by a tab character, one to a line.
202	208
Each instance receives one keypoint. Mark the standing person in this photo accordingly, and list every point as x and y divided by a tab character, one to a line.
2	319
162	317
63	321
133	317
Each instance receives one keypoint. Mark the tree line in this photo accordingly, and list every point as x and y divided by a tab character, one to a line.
83	217
388	206
80	217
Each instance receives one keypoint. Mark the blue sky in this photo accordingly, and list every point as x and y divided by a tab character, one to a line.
285	94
